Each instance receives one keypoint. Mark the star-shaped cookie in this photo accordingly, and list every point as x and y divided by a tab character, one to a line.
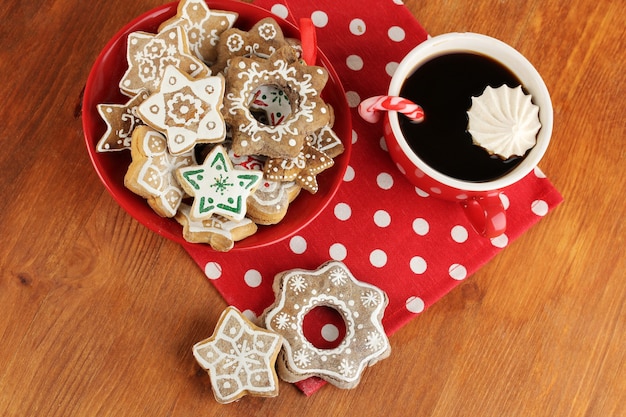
121	120
302	169
187	110
239	358
218	187
203	26
148	55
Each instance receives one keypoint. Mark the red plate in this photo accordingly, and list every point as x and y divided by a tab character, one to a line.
102	87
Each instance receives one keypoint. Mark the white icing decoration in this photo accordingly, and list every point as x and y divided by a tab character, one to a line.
504	121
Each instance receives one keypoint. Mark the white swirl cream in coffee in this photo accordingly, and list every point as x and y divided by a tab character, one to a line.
504	121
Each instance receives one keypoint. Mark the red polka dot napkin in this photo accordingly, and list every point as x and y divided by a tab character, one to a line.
414	247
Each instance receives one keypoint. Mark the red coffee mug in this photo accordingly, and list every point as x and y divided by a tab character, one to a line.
480	200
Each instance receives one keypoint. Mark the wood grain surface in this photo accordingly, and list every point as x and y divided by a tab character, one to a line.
98	314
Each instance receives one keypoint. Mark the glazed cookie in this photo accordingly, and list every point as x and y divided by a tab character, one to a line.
302	169
326	140
239	358
219	232
270	201
218	187
301	84
203	27
121	120
186	109
151	172
360	304
262	40
148	55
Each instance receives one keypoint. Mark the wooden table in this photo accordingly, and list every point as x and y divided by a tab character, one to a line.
98	314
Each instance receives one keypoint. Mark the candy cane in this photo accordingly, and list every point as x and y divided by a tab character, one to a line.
369	109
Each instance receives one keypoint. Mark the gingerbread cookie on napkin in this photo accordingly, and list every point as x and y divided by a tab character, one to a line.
361	305
239	358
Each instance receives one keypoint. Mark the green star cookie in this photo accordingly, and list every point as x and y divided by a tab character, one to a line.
218	187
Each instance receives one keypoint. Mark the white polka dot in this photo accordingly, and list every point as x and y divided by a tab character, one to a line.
435	190
354	62
421	226
418	265
383	144
396	33
415	305
249	315
391	68
330	332
357	27
353	98
355	136
213	270
382	218
384	181
539	173
253	278
539	207
298	245
338	252
457	271
343	211
421	192
349	174
319	18
378	258
459	234
500	241
505	201
280	11
402	171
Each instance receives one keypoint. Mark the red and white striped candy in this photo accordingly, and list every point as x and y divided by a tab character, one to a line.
369	109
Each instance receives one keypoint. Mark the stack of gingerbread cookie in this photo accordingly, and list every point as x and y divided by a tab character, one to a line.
225	127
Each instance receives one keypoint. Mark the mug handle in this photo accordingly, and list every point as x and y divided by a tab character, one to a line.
486	214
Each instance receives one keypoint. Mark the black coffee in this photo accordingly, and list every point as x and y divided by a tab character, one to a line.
444	88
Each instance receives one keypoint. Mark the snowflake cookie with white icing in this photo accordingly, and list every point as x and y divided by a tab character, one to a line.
361	306
148	55
301	84
239	358
186	109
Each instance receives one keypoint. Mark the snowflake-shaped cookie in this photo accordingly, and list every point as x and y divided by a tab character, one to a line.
218	187
301	84
121	120
187	110
361	306
151	173
239	358
148	55
203	26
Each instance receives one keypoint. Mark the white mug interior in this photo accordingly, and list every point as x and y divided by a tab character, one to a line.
510	58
